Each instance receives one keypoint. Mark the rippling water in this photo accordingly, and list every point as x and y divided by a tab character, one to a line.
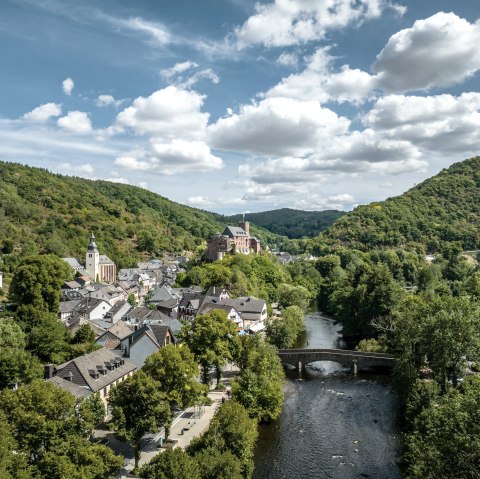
333	425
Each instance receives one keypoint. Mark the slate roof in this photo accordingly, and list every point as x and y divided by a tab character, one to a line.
87	305
83	368
206	307
68	306
120	329
156	332
71	285
70	386
234	231
73	262
103	259
116	308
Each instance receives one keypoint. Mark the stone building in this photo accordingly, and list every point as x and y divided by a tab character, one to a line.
234	239
98	266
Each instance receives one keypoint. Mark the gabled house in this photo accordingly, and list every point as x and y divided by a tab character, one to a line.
92	308
146	340
119	309
232	313
112	338
67	308
98	371
252	310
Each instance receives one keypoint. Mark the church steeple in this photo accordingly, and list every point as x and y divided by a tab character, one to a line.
92	246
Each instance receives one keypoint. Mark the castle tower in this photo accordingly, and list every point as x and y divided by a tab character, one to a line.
92	259
245	225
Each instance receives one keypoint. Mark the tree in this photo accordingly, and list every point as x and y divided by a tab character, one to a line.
132	301
259	386
290	295
90	412
176	371
138	407
18	367
445	440
171	464
77	458
13	462
84	334
231	430
284	331
214	464
40	413
212	338
37	281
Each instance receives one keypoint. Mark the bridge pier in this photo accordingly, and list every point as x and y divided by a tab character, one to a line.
354	367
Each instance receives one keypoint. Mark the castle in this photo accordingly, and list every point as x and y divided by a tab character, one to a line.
234	239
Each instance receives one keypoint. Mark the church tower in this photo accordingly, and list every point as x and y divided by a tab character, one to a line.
92	259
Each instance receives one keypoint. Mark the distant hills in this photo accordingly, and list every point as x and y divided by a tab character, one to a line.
49	213
442	209
292	223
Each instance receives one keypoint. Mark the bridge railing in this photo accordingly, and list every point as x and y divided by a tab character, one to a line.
336	351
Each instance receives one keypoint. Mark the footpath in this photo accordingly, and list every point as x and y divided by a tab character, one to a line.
188	425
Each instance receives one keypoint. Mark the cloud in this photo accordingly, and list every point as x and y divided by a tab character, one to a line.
441	123
76	122
439	51
81	169
173	74
43	112
316	202
155	31
67	86
177	69
107	100
168	158
288	59
293	22
277	127
168	113
200	201
318	81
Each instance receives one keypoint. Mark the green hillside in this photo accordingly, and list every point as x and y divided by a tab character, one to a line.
49	213
292	223
442	209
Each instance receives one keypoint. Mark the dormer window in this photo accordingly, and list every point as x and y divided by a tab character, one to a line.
68	376
95	374
102	369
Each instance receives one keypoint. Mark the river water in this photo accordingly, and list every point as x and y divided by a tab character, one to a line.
333	425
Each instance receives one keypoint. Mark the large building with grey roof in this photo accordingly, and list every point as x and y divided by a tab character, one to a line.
234	239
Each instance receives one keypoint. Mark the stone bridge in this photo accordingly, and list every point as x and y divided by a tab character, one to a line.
356	360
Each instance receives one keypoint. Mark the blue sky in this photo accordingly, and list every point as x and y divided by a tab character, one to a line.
235	105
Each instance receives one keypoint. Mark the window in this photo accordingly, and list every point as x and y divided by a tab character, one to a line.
105	392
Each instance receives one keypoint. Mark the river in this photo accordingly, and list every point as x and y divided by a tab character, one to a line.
333	425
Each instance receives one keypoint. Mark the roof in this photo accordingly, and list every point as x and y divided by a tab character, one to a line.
103	259
248	304
156	332
216	291
120	329
100	361
87	305
70	386
68	306
168	303
71	285
234	231
75	323
73	262
163	293
206	307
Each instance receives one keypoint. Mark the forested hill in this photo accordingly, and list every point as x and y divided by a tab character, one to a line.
50	213
292	223
442	209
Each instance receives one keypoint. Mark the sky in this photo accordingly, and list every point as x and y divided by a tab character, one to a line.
241	106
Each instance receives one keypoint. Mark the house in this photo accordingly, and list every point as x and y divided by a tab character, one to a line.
98	371
72	388
234	239
71	286
111	293
118	310
169	307
252	310
217	292
92	308
73	325
112	338
140	314
67	308
232	313
145	341
75	265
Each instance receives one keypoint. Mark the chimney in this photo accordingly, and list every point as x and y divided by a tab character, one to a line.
246	226
49	371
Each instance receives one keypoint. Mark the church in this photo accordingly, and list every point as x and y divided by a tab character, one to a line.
99	267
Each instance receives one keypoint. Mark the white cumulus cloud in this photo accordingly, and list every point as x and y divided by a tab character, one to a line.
67	86
43	112
76	122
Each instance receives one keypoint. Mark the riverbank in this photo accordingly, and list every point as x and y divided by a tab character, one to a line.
333	425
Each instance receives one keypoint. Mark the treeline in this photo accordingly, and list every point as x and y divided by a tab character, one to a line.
441	210
44	213
292	223
428	315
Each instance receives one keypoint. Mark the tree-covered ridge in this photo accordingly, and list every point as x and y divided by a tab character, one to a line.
442	209
292	223
57	213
